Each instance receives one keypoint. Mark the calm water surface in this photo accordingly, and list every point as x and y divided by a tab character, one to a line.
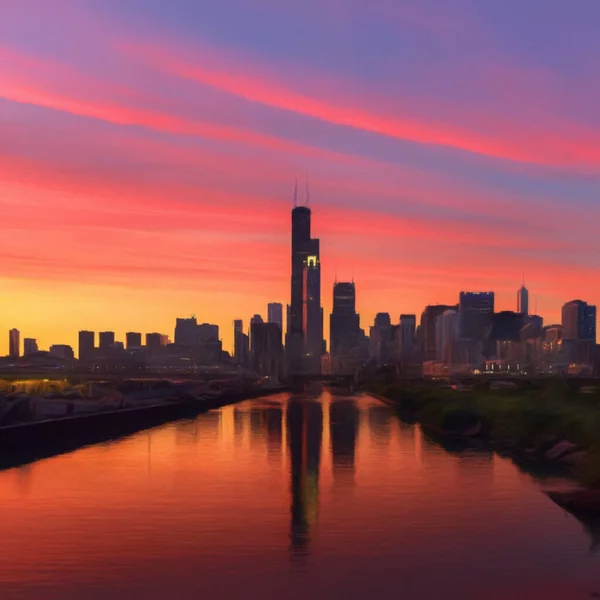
286	497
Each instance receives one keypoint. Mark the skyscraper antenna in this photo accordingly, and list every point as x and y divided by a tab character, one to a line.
307	192
523	278
296	193
335	280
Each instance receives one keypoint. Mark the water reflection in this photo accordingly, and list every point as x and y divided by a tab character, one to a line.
274	417
216	508
380	423
343	432
304	422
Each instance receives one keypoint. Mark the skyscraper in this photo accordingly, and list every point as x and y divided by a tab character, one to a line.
133	340
306	270
579	321
446	337
186	332
344	324
107	339
267	350
14	343
476	311
407	337
427	329
275	314
29	346
312	317
87	342
523	300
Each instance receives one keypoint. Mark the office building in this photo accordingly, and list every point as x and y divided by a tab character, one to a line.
476	311
106	339
14	343
133	340
305	318
523	300
156	343
87	343
62	351
312	317
186	332
267	349
446	337
207	332
579	332
381	335
579	321
275	313
344	329
427	329
29	346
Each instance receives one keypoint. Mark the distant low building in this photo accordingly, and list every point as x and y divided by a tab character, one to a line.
62	351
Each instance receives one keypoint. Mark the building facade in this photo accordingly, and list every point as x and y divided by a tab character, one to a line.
305	316
133	340
87	344
14	343
29	346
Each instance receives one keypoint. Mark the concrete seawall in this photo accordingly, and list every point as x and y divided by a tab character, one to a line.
27	442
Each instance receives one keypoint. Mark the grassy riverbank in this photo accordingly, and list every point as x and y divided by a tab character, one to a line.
545	423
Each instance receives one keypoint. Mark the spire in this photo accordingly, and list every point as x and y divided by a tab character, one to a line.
307	191
296	193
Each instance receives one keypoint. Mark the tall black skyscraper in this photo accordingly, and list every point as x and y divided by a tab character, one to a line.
87	342
344	327
476	312
305	323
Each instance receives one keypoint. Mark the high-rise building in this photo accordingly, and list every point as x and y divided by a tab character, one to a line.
207	332
344	328
267	349
381	337
87	343
446	337
523	300
14	343
275	313
476	310
62	351
29	346
241	344
407	338
155	343
427	329
579	332
186	332
305	269
344	322
107	339
133	340
579	321
238	341
312	316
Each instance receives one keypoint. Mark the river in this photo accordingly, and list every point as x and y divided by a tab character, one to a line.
287	497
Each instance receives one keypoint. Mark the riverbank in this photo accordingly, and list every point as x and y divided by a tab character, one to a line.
537	426
23	443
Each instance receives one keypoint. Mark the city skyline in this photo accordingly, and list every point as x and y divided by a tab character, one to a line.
466	151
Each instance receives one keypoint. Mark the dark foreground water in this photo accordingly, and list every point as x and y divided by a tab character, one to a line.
287	497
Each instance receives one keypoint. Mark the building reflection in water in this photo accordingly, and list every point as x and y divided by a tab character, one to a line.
343	431
274	417
239	424
304	423
380	423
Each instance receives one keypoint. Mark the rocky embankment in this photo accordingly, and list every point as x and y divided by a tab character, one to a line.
537	428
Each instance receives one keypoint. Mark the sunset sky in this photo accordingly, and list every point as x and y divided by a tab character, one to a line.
148	151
